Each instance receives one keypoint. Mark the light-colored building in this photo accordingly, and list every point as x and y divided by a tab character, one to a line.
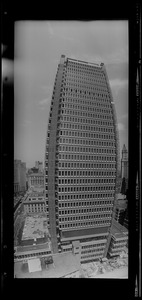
35	203
35	238
120	208
19	176
119	239
81	159
35	180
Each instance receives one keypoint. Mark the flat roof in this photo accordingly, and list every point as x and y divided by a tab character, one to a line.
34	265
84	232
64	264
83	62
117	230
35	227
36	194
37	201
28	249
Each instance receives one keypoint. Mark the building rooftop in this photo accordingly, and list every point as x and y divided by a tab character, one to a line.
63	264
117	230
35	196
37	189
35	227
36	174
84	232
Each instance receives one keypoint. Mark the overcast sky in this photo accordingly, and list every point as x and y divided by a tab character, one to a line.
38	47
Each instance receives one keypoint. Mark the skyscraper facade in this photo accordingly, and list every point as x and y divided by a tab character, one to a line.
81	160
19	176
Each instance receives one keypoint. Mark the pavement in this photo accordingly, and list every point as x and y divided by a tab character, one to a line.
117	273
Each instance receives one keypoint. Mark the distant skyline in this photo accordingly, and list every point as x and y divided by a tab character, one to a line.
38	47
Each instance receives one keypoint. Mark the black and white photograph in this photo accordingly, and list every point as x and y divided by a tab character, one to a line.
71	149
72	177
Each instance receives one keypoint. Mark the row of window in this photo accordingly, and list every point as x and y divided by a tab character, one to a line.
88	166
90	256
34	204
88	149
85	224
86	210
118	247
84	87
83	127
81	104
86	173
83	188
87	134
83	73
85	180
86	114
93	217
100	114
85	165
78	79
86	92
81	156
84	68
86	142
84	202
96	88
92	214
93	246
34	209
118	242
87	106
93	101
68	249
100	121
92	250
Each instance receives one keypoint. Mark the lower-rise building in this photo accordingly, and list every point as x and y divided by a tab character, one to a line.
35	180
85	246
35	203
119	239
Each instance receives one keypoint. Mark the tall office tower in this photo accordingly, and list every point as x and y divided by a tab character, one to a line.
81	160
19	176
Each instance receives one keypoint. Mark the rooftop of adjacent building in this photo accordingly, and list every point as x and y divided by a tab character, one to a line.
82	233
36	174
63	264
35	227
117	230
37	193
